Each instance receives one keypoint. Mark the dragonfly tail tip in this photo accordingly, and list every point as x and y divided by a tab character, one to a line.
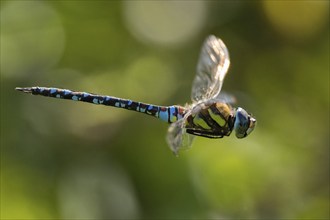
26	90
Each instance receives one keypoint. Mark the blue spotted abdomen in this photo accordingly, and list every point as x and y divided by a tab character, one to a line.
165	113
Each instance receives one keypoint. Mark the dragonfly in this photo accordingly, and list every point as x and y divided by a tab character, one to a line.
210	114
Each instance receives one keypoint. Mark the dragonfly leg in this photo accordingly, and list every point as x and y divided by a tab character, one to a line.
202	133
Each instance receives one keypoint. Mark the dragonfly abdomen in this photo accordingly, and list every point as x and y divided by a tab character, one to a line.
165	113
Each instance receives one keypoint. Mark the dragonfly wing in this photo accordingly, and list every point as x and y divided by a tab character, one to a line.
212	68
177	138
226	98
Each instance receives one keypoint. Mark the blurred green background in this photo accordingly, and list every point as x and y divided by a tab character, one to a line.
62	159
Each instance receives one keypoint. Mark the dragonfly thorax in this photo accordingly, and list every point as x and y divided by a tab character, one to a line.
212	120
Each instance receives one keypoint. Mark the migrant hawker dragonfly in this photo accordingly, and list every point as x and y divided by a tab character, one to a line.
210	114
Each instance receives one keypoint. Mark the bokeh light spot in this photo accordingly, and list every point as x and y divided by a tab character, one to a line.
32	37
297	19
164	22
106	191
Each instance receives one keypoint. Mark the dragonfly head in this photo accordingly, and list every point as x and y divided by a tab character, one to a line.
244	123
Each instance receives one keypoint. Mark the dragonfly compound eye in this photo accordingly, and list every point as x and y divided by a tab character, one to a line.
244	123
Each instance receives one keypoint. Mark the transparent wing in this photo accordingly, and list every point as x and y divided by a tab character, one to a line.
177	138
212	68
226	98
